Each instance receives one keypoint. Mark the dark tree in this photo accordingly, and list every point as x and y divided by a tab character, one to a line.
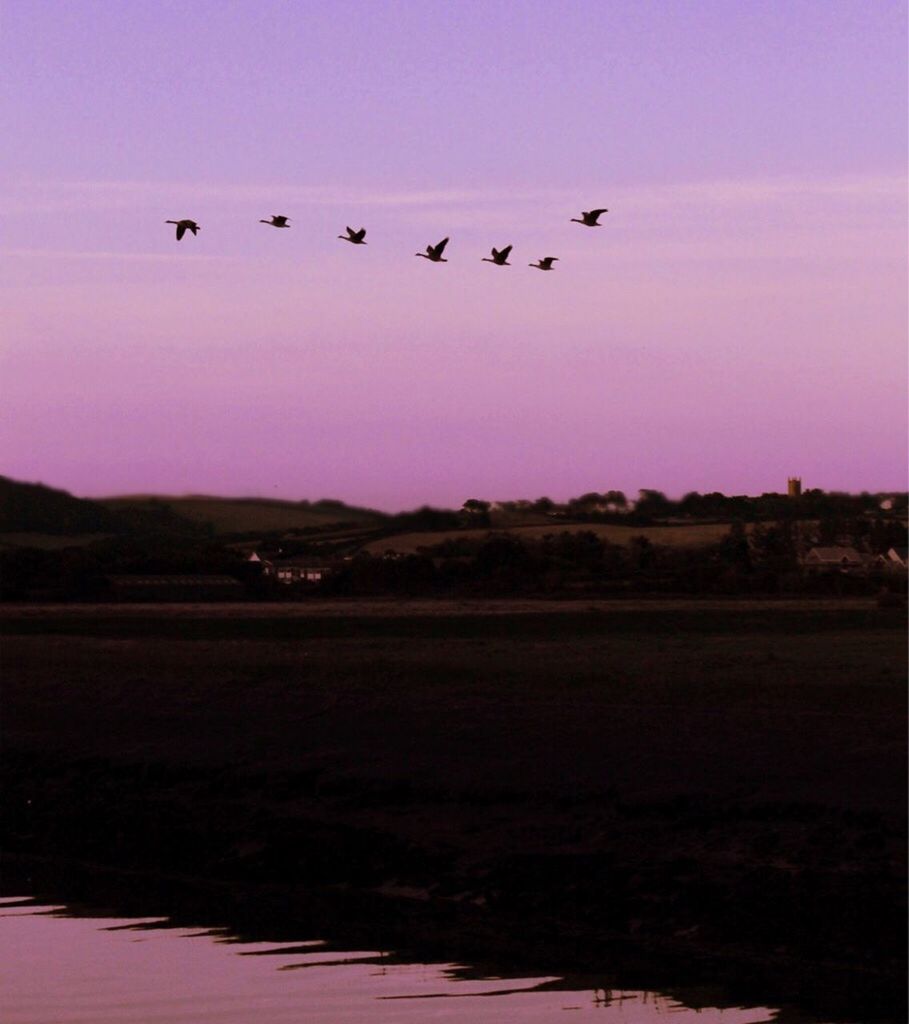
476	512
652	504
733	551
773	547
642	553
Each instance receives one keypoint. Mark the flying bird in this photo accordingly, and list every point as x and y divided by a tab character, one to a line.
354	237
590	218
434	252
183	226
277	221
545	263
499	257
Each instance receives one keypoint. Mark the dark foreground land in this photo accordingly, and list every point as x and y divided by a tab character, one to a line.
718	787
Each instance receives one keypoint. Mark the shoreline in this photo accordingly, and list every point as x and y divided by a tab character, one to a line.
411	930
702	786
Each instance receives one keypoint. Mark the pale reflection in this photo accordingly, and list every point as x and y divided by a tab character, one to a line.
99	970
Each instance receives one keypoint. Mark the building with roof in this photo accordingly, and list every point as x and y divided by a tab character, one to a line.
301	570
294	569
834	559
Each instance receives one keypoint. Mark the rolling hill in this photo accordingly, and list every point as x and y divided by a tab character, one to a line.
251	515
34	508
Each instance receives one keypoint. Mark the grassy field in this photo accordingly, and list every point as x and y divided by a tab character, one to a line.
251	515
725	778
688	535
50	541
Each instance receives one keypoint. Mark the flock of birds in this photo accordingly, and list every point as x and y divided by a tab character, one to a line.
589	218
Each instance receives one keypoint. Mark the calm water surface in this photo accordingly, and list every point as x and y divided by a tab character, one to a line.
59	968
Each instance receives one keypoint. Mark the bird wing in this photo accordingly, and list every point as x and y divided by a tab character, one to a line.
350	231
504	253
181	231
193	227
596	213
359	235
440	248
495	253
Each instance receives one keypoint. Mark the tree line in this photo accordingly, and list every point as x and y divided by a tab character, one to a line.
759	558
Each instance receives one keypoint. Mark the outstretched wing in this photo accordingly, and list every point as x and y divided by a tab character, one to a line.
181	231
358	236
440	248
193	227
504	253
596	213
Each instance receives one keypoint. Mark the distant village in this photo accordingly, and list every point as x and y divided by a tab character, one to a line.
599	544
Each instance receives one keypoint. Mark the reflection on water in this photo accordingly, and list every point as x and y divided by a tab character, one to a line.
67	969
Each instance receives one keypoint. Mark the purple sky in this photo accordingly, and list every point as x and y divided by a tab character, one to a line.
740	317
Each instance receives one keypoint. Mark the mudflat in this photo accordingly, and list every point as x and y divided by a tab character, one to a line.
719	780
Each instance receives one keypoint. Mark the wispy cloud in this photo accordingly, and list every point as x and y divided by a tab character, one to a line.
761	191
51	196
753	218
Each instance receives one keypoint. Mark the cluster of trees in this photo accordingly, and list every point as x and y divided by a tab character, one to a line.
762	560
654	506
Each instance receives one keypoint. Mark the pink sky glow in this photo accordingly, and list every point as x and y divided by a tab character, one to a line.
741	316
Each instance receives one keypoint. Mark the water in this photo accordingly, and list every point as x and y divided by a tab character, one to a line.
62	967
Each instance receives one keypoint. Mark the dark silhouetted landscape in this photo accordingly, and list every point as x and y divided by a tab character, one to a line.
532	733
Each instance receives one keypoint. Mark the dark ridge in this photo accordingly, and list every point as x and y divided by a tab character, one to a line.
35	508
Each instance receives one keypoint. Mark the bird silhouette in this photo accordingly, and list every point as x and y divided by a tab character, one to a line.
183	226
499	257
590	218
354	237
545	263
434	252
277	221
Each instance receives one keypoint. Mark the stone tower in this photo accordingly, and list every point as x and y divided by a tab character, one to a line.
794	486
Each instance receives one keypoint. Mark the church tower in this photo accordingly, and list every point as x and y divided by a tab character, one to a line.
794	486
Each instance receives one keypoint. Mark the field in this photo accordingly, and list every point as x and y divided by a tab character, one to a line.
719	780
688	535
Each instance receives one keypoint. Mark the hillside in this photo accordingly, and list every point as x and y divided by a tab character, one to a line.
34	508
36	516
251	515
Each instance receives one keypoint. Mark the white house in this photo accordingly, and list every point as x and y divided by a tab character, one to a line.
292	570
301	570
